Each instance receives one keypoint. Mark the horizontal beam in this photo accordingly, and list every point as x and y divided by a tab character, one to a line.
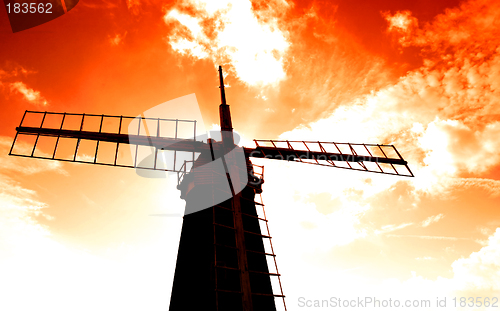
292	155
157	142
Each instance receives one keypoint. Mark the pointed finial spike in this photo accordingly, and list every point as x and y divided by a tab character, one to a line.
222	92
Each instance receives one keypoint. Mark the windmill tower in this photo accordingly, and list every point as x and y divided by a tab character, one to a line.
225	259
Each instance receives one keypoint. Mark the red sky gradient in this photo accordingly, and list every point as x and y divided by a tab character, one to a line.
422	75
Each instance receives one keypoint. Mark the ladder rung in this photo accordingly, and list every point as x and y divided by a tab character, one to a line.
264	236
220	206
274	295
252	201
248	250
238	269
216	224
254	217
262	253
268	273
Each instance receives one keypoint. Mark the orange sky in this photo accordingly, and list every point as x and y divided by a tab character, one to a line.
422	75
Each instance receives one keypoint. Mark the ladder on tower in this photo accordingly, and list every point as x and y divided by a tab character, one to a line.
257	229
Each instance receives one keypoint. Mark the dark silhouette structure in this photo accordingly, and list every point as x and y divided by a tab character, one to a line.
225	250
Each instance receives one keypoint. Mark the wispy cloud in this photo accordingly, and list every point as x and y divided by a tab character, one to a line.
29	94
88	200
16	71
134	6
427	237
492	186
104	4
23	165
390	228
19	206
432	219
10	81
117	39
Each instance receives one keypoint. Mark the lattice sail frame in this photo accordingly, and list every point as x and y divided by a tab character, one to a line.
98	139
375	158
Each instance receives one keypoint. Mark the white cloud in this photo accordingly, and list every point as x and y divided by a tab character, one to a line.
402	23
432	219
452	146
117	39
481	270
230	32
24	165
29	94
492	186
19	206
428	237
390	228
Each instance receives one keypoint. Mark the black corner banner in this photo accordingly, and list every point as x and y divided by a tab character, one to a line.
25	14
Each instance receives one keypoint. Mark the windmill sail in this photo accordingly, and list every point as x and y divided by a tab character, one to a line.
100	139
375	158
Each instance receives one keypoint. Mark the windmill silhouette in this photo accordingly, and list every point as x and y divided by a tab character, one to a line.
225	252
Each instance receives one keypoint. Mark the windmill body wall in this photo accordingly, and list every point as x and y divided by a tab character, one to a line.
207	275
